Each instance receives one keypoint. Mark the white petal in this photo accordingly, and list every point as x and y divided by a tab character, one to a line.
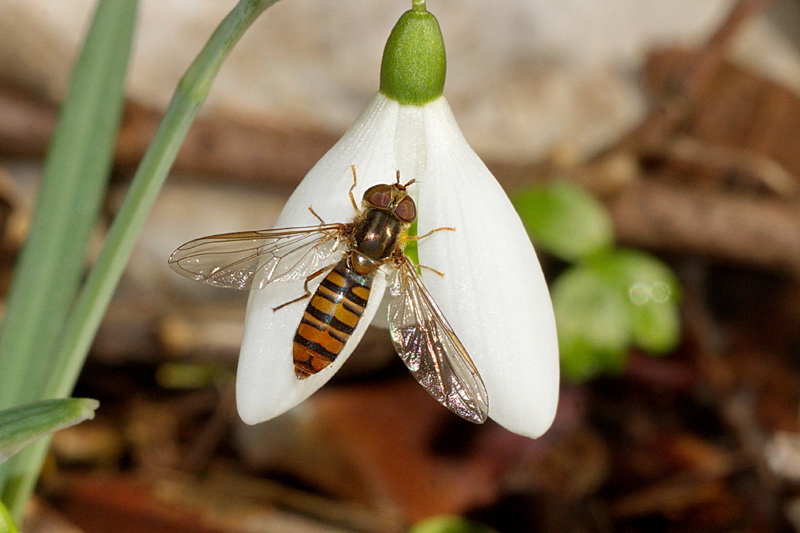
493	292
266	385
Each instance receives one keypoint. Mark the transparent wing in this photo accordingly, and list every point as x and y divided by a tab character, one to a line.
430	348
252	259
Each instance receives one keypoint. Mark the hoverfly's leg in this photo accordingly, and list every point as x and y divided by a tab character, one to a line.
316	215
399	258
438	273
418	237
305	289
352	187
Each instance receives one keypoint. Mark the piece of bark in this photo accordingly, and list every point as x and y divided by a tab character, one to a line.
760	232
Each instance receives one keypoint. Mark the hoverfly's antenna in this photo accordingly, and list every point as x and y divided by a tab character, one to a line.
400	185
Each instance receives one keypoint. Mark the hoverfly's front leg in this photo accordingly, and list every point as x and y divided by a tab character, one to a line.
419	237
307	293
352	187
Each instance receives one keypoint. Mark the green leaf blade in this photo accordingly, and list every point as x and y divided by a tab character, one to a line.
75	176
192	91
18	476
19	426
52	262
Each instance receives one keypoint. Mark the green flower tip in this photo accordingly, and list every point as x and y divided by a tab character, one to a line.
414	64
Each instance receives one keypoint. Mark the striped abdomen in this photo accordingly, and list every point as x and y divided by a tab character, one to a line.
330	318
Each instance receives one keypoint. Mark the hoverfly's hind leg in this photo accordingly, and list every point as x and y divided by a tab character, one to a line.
307	293
316	215
399	258
352	188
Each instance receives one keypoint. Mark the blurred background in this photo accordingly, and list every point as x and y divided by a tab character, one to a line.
676	122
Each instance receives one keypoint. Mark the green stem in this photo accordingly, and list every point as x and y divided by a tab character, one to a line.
418	5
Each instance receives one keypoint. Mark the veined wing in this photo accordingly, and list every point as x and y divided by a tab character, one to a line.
252	259
430	348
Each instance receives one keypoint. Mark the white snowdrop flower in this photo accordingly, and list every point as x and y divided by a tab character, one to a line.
489	284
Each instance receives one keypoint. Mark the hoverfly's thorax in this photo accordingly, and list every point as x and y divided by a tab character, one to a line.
377	234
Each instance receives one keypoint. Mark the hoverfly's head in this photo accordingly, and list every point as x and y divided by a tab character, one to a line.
394	198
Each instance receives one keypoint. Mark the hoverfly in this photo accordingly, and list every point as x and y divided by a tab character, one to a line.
349	255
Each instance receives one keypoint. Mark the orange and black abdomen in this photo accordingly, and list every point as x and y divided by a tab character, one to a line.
330	318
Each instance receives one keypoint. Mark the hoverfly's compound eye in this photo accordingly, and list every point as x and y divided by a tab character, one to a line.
379	195
406	210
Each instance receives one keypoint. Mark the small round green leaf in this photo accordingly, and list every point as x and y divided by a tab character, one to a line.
656	327
643	276
651	291
593	322
564	220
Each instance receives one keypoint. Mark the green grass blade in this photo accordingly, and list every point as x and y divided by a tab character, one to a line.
93	300
53	259
189	96
75	176
19	426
